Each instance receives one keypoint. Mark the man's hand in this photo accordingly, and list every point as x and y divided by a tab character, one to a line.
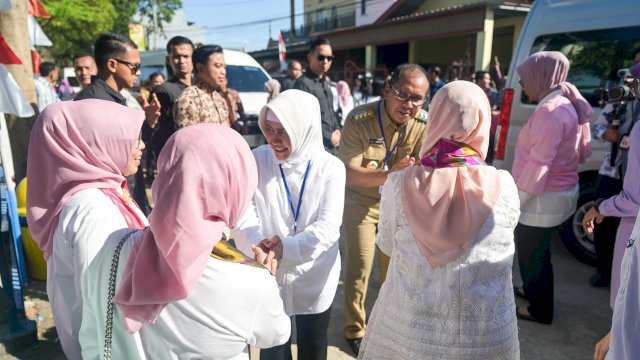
588	220
403	163
335	138
151	110
263	257
611	135
602	347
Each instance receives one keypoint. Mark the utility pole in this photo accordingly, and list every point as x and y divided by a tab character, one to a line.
13	27
154	4
293	19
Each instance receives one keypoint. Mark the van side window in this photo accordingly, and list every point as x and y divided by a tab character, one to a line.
246	78
595	56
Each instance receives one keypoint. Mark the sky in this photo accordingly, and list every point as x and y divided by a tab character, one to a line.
226	20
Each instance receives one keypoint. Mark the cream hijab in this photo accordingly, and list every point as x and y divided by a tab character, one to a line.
299	114
447	207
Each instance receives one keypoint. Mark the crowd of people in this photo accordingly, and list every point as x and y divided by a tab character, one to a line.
241	247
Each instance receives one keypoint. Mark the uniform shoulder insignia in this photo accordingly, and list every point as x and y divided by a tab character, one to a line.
422	116
360	115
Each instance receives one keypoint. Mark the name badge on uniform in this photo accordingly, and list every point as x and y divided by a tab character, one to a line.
378	141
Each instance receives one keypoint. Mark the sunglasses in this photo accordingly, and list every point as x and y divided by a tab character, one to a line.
323	58
404	97
135	67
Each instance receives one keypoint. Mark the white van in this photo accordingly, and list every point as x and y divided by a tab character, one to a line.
245	75
598	37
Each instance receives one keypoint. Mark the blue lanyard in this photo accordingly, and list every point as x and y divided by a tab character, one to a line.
393	149
286	188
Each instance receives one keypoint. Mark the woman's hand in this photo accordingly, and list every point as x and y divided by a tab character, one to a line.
265	259
274	247
602	347
588	220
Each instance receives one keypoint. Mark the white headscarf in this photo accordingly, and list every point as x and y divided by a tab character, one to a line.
299	114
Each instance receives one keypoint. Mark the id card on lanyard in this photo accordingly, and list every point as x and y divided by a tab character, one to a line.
385	166
294	212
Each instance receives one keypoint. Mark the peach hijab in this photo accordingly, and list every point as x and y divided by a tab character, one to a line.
446	207
206	178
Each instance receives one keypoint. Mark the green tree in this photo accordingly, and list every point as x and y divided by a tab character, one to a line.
75	24
127	9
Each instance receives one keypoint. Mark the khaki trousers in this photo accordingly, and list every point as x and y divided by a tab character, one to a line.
360	226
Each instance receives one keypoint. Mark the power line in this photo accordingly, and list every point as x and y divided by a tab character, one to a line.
266	21
225	4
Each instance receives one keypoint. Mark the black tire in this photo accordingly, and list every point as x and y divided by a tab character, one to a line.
573	236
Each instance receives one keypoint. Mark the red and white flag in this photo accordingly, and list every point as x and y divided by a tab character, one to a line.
282	52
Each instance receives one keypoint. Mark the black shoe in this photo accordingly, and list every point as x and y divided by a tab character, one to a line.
354	344
599	280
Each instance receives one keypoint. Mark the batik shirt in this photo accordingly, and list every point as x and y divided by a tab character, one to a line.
200	103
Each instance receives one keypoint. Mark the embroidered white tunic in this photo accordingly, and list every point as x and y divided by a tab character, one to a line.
462	310
232	306
309	271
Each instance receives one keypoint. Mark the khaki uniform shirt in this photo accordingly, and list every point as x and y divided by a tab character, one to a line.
200	104
362	145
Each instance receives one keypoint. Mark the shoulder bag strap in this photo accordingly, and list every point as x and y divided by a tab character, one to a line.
112	289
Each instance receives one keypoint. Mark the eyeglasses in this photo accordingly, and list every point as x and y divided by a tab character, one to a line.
135	67
323	58
271	131
404	97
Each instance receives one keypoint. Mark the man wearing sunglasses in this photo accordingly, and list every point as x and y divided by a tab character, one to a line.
378	138
118	62
316	82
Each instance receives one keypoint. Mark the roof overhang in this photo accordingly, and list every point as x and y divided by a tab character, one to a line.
453	21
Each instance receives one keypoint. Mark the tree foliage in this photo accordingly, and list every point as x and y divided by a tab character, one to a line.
75	24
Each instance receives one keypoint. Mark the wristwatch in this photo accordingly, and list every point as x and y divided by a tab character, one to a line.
596	204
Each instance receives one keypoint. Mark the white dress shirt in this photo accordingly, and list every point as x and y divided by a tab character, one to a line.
310	267
84	224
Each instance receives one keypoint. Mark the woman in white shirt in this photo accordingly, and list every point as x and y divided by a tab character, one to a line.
182	292
447	225
79	154
297	213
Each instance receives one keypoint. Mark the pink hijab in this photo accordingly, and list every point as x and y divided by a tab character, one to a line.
206	178
446	207
344	93
546	71
75	145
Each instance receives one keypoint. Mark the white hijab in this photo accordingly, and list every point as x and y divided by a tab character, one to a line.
299	114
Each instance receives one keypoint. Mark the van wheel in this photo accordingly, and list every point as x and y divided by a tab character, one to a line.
573	236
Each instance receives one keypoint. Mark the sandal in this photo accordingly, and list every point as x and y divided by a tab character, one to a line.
523	316
519	292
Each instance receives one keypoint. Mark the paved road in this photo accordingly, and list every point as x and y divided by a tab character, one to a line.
582	317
